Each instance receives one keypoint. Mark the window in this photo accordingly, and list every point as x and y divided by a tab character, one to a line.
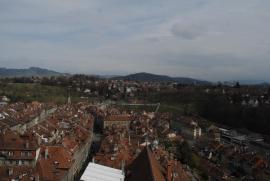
29	153
10	153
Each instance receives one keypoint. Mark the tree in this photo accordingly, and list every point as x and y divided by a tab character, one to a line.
184	153
237	85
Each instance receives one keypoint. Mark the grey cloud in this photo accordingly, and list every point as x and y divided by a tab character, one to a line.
203	60
187	31
215	66
177	37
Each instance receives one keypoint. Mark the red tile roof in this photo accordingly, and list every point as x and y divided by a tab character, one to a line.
25	172
124	117
145	168
10	140
57	164
70	143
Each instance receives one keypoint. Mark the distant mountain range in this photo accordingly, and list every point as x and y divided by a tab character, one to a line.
254	82
32	71
247	82
147	77
143	77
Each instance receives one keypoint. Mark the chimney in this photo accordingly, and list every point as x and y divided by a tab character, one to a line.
93	159
169	171
10	171
46	153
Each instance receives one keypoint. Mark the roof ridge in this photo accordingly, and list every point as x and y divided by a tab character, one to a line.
153	162
150	161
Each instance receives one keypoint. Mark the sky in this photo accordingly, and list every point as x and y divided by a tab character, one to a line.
213	40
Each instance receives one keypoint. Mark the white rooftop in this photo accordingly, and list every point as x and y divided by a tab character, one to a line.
96	172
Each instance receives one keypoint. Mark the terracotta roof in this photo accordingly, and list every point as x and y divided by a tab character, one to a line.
123	117
57	164
58	154
9	140
70	143
181	173
145	168
81	134
113	158
25	172
20	113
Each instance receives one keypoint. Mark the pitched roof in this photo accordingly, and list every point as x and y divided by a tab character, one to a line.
123	117
10	140
56	166
70	143
25	172
58	156
145	168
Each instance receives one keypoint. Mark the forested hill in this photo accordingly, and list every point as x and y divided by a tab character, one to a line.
148	77
32	71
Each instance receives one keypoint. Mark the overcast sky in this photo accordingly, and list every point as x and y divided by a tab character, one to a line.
206	39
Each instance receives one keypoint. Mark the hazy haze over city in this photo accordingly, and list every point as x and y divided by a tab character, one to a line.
207	39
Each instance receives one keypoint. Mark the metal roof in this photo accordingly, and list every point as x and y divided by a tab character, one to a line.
96	172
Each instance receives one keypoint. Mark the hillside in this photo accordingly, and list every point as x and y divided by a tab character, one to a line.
32	71
148	77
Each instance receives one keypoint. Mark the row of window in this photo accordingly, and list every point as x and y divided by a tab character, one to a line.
26	153
17	162
11	153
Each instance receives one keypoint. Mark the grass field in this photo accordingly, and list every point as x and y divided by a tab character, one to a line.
177	109
32	92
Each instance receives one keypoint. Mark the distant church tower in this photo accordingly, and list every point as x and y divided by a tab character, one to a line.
69	98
